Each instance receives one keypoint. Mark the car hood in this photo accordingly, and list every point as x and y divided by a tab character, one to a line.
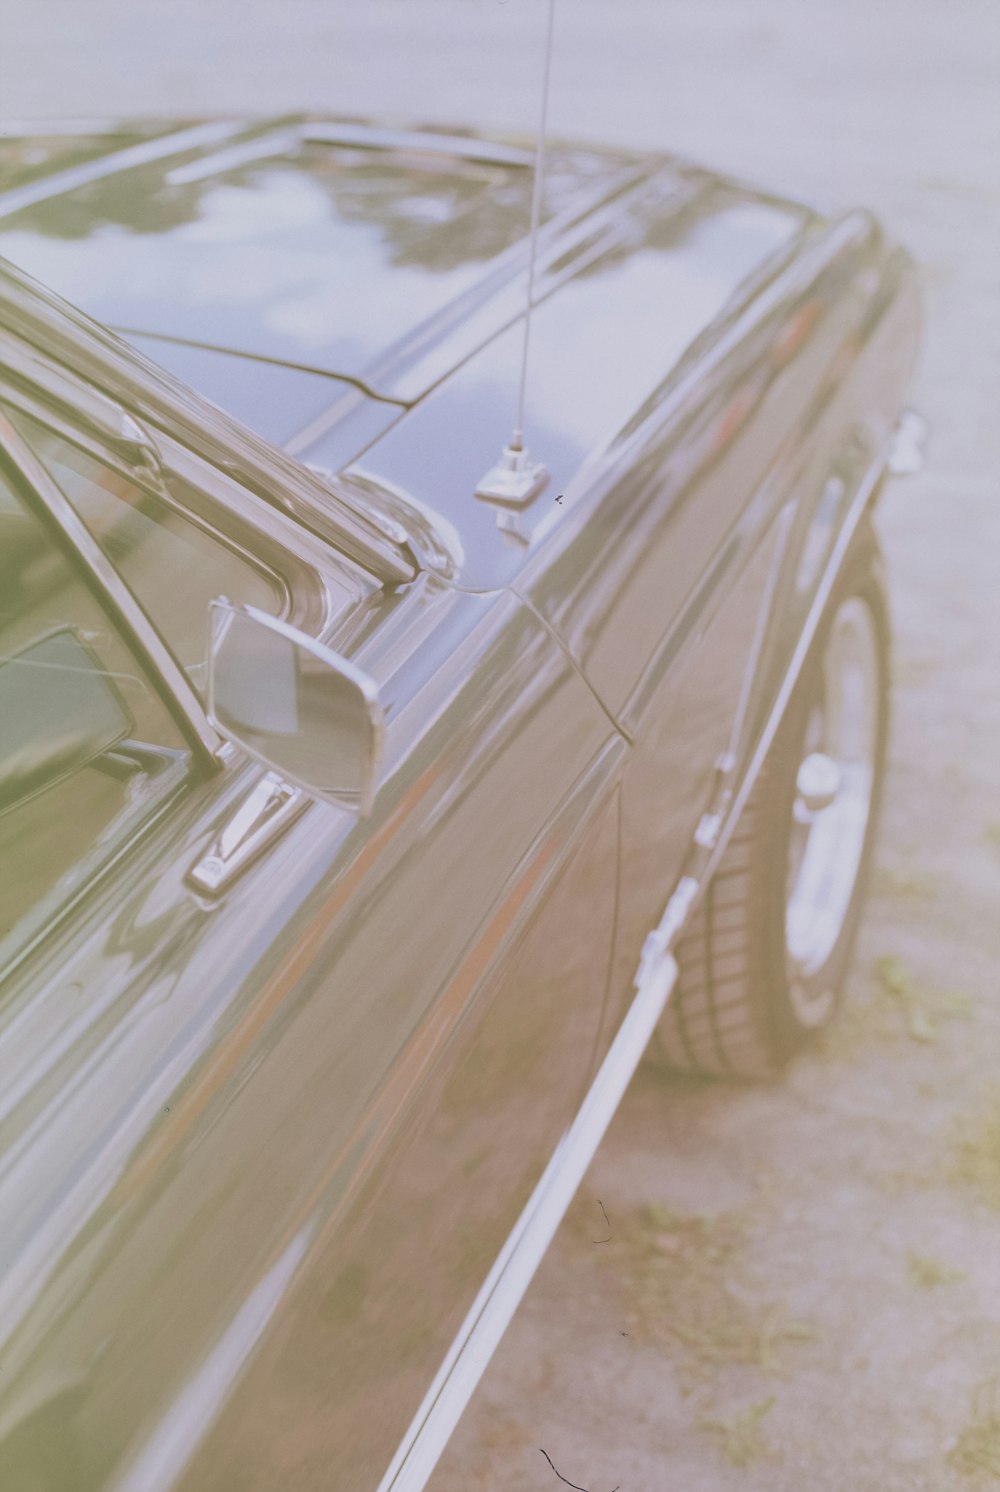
337	249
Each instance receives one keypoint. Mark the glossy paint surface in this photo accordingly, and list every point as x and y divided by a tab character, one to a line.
272	398
678	260
320	255
259	1152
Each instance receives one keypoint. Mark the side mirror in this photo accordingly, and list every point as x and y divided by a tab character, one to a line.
59	711
294	705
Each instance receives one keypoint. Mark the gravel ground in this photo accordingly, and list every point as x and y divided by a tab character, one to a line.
802	1284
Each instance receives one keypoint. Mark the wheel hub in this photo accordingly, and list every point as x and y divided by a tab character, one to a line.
816	786
832	805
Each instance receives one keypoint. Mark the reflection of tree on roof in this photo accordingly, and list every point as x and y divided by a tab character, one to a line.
138	200
431	211
28	157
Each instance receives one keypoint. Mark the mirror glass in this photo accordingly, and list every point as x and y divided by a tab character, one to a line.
294	705
59	711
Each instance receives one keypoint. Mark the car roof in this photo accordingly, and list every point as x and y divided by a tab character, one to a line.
341	248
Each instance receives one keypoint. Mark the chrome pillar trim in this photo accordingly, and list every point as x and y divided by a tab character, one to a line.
93	353
270	808
28	381
173	678
491	1312
906	449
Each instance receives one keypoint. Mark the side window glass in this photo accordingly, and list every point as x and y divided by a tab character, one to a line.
87	748
172	565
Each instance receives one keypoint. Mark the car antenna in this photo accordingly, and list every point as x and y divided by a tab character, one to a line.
515	480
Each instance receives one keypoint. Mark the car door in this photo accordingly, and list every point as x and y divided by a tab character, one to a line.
287	1128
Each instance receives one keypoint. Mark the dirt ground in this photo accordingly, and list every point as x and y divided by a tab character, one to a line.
802	1284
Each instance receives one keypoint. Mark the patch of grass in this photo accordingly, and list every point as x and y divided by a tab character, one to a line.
975	1157
977	1450
897	1005
927	1272
900	884
894	980
679	1273
859	1023
953	1005
922	1010
740	1435
916	670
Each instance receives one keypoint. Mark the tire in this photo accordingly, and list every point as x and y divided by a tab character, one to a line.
766	952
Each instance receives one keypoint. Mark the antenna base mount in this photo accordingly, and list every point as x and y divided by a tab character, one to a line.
514	481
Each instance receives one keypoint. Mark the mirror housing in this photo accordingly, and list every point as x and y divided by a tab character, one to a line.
294	705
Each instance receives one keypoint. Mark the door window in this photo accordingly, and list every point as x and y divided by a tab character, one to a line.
172	564
88	750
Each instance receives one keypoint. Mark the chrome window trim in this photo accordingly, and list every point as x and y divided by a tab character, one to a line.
330	571
32	382
147	392
179	690
144	473
307	571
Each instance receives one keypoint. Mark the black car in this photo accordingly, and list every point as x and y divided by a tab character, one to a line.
364	814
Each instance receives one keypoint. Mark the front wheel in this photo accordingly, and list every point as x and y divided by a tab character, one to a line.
763	960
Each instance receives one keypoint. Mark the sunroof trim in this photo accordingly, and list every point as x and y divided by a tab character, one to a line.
241	153
355	136
374	137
